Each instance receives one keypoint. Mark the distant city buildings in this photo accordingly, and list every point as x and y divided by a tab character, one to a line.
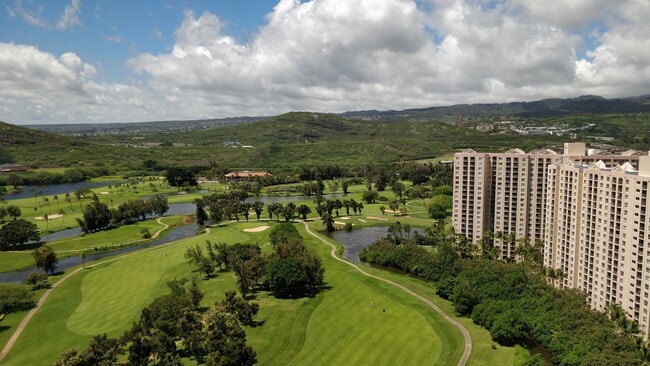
589	208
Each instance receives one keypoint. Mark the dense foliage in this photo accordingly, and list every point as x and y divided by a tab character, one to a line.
180	176
98	216
44	177
17	232
514	302
173	327
15	297
46	259
291	271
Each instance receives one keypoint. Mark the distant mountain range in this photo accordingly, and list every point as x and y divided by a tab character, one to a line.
144	128
583	105
588	104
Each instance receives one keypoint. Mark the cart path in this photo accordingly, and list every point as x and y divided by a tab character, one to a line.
41	301
468	340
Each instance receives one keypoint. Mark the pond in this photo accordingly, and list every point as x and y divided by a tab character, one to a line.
178	233
52	189
354	241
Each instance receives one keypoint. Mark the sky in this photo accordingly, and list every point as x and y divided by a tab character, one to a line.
100	61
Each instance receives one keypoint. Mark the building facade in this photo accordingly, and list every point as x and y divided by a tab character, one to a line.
590	211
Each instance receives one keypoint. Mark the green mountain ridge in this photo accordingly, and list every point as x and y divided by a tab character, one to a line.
295	139
546	108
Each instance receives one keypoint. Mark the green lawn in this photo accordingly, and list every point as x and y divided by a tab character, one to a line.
34	209
338	326
125	235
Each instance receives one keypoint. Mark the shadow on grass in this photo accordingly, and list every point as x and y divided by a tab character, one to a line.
256	323
4	328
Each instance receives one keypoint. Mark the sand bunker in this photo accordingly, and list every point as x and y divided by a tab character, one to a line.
49	217
339	222
103	192
256	229
376	218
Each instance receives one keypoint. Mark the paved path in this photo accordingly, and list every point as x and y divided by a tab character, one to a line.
468	340
41	301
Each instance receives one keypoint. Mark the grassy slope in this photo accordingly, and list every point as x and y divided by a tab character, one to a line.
286	141
337	326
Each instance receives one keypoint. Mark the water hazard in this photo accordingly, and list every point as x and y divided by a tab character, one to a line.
52	189
354	241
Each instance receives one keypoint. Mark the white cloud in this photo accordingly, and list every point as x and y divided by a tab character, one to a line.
331	55
114	39
29	11
70	16
32	13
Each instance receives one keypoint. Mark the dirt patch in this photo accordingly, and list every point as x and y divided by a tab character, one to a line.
49	217
256	229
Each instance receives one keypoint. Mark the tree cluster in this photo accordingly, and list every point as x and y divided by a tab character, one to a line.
45	178
98	216
138	209
229	205
326	172
180	176
18	232
291	271
173	327
12	211
15	297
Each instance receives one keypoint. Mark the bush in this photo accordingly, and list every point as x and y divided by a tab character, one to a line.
37	280
15	297
145	233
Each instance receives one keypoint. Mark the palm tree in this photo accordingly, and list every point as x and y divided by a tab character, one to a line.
407	230
328	221
56	199
62	214
81	193
346	204
35	195
68	200
47	200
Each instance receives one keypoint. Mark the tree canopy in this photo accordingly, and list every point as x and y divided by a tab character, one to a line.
18	232
172	328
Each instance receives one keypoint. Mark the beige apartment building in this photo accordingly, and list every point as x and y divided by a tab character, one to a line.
590	210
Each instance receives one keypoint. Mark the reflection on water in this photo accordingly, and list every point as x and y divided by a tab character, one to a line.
51	189
354	241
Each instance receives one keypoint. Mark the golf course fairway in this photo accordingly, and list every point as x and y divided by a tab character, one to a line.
353	320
